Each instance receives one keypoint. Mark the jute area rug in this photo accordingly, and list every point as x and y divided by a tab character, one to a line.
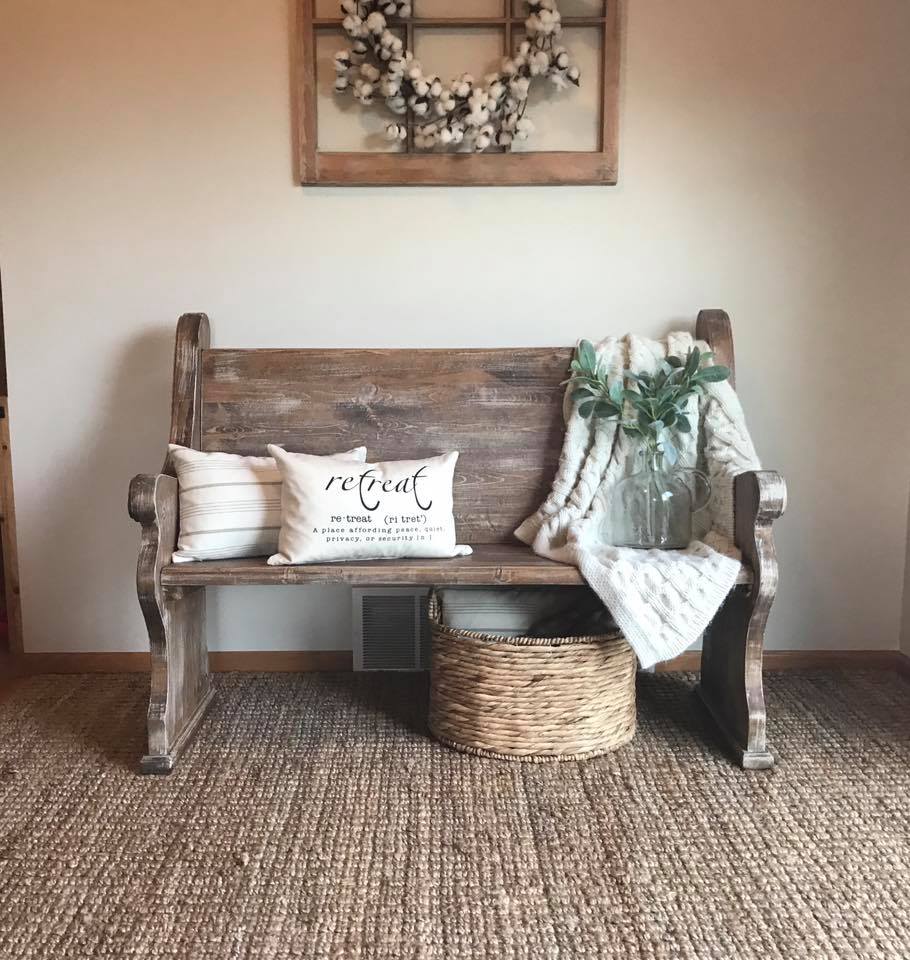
314	818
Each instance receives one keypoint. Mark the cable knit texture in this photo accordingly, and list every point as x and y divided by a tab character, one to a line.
662	599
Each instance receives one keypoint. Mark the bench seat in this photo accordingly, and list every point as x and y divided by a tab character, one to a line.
490	564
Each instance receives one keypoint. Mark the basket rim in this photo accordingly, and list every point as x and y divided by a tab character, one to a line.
492	638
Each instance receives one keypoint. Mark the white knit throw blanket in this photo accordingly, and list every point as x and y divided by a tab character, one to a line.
661	599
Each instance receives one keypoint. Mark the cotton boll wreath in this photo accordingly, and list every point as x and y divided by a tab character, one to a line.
462	111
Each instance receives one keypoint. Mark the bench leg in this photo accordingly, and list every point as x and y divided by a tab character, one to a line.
731	680
731	660
181	686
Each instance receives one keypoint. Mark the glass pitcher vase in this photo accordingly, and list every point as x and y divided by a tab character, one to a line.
653	508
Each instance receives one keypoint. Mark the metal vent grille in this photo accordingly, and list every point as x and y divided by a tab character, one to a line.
390	629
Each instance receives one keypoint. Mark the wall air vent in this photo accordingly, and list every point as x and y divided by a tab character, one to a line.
390	628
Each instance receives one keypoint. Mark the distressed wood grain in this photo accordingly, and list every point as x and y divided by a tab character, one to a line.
186	400
731	664
501	409
181	689
714	327
490	564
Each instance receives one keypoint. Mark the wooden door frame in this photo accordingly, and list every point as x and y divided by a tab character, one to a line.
8	542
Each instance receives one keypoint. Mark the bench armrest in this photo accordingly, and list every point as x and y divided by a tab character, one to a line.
759	498
153	503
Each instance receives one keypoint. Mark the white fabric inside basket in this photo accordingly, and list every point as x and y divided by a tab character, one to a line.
524	611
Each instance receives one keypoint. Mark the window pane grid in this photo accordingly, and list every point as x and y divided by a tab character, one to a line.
595	164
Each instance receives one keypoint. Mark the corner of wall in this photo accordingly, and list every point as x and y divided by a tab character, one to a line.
905	615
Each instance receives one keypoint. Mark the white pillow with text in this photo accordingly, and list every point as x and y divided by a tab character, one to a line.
337	510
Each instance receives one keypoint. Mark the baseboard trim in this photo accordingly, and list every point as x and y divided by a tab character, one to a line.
807	660
340	661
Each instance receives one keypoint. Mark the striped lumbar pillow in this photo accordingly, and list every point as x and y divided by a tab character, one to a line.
230	506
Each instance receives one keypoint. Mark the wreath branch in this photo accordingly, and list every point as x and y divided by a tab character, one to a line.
480	114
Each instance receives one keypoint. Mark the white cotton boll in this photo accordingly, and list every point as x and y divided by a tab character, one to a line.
369	72
558	81
421	88
375	23
482	142
390	9
519	88
457	134
397	105
349	6
445	136
436	88
415	73
397	45
525	125
390	86
497	90
463	89
419	142
541	61
487	130
420	108
342	61
509	67
341	84
504	138
439	108
391	131
404	10
510	121
573	73
354	26
524	48
562	59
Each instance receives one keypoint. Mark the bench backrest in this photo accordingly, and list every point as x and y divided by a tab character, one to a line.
500	408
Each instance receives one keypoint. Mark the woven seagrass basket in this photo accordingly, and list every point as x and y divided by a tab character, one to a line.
528	698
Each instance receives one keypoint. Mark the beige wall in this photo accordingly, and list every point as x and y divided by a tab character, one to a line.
145	170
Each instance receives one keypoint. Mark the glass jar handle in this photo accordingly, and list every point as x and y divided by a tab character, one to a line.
700	497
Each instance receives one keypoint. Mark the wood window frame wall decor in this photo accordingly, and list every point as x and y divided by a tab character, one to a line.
491	168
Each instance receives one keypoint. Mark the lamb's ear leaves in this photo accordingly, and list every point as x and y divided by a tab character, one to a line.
605	409
617	392
693	361
714	374
586	408
674	362
581	393
587	355
682	424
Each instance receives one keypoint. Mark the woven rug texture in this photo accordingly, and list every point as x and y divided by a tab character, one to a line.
314	818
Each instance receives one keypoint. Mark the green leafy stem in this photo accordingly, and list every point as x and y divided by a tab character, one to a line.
655	402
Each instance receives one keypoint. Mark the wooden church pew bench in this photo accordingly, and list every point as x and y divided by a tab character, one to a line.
501	408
